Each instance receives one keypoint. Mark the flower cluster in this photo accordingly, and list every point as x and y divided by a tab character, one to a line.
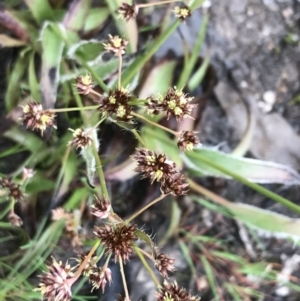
158	168
164	264
175	293
84	84
14	190
117	239
34	117
56	284
81	138
116	104
174	103
187	140
115	45
101	208
127	11
182	12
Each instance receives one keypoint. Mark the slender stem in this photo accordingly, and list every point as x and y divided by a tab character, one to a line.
80	105
138	137
73	109
120	71
154	124
155	3
144	208
100	172
123	278
138	251
83	264
146	254
285	202
96	93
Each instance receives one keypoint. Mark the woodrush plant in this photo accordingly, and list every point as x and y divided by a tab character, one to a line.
118	237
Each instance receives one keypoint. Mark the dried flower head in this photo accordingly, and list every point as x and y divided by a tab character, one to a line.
116	105
14	190
127	11
34	117
117	239
56	284
172	292
84	84
115	45
153	166
187	140
101	208
182	12
174	184
164	264
99	277
27	173
15	219
175	103
81	138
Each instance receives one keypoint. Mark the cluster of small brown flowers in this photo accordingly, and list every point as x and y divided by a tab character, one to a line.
84	84
127	11
34	117
116	104
174	103
117	239
175	293
164	264
101	208
14	190
115	45
56	284
99	277
182	12
187	140
89	266
81	138
158	168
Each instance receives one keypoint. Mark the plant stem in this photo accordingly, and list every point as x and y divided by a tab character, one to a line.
279	199
120	71
74	109
154	124
146	265
100	172
138	137
123	278
144	208
83	264
155	3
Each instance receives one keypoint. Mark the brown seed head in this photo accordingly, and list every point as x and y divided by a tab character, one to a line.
172	292
84	84
187	140
175	185
90	266
14	190
55	284
116	105
34	117
101	208
117	239
115	45
175	103
153	166
127	11
182	12
164	264
81	138
99	277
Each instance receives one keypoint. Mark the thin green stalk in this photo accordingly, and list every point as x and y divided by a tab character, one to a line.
138	137
123	278
146	265
154	123
100	172
144	208
74	109
279	199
